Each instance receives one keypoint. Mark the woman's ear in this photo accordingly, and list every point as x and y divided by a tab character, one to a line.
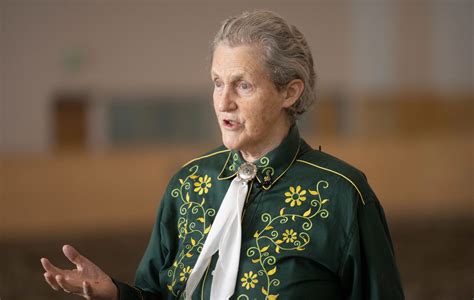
292	92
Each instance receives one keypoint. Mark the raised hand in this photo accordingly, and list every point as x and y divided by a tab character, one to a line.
86	280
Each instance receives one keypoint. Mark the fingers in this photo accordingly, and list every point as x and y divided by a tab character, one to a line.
66	286
51	280
66	280
58	282
50	274
49	267
74	256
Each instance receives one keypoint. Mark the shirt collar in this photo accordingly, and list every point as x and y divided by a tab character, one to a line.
270	167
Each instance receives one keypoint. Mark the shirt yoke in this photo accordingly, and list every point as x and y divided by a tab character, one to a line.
328	163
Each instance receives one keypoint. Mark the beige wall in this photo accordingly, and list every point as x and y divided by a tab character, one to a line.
75	193
159	47
127	46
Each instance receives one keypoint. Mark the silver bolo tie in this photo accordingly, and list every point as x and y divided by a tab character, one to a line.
247	171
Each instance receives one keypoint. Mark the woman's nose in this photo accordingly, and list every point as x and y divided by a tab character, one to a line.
226	100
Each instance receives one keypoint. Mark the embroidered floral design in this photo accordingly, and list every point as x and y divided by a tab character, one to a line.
249	280
271	239
193	224
289	236
295	196
203	185
185	273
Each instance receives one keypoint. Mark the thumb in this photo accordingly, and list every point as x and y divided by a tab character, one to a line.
74	256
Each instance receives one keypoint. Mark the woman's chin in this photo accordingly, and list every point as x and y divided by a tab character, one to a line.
230	145
230	142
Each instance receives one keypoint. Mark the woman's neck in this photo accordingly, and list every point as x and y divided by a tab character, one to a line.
262	149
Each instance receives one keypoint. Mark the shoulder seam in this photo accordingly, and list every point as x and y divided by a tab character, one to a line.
337	173
205	156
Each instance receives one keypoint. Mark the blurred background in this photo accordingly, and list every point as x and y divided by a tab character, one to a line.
102	101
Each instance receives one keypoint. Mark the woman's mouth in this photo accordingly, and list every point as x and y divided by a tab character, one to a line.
230	124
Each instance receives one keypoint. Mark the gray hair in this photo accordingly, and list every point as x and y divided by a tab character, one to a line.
286	53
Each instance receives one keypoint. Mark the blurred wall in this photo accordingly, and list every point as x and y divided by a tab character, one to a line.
360	47
82	193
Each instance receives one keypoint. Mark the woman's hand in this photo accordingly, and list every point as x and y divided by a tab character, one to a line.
86	280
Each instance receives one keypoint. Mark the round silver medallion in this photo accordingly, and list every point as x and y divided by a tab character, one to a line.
247	171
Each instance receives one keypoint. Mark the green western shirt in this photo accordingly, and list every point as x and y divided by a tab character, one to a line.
312	228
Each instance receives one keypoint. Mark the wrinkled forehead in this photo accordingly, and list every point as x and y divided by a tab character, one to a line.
238	61
235	44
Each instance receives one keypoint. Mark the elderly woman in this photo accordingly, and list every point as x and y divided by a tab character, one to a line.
264	216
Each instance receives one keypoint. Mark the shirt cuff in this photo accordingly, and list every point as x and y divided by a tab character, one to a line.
127	292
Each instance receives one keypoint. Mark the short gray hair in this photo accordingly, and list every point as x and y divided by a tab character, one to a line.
286	52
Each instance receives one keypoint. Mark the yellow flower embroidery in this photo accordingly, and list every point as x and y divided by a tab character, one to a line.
183	275
202	185
249	280
289	236
295	196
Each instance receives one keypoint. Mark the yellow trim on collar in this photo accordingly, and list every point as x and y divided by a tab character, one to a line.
337	173
205	156
223	168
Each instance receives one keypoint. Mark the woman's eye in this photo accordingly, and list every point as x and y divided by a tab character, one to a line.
244	86
217	83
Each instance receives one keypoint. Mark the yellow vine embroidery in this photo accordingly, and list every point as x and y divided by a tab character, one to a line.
270	241
193	224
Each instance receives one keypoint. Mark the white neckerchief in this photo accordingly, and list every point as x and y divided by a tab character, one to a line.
225	236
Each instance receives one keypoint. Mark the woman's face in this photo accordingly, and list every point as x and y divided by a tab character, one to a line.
249	108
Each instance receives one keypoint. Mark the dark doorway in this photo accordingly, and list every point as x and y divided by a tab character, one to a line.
70	121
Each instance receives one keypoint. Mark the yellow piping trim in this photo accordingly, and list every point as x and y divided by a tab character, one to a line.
205	156
223	168
337	173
